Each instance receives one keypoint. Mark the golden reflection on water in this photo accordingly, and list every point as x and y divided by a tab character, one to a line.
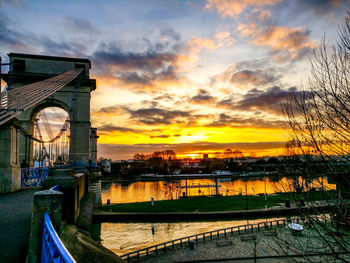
159	190
123	238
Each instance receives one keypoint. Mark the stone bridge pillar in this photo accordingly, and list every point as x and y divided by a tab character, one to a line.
26	144
10	172
93	145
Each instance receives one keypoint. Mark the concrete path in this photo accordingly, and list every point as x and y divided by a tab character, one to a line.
15	219
268	245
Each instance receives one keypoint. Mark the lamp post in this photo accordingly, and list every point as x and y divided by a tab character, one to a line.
246	196
0	73
265	195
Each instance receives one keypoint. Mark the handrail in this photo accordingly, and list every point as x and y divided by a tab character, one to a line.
53	250
32	176
55	187
202	236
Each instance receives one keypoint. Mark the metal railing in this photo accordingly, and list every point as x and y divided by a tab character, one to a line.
33	176
215	234
55	187
53	249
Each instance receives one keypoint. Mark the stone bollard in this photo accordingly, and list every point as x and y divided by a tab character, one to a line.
287	202
44	201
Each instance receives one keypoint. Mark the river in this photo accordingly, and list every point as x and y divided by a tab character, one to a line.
123	238
141	191
127	237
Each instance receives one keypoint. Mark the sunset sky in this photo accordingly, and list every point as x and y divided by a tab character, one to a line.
192	76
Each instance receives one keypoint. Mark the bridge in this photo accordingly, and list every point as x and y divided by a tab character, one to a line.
33	153
34	83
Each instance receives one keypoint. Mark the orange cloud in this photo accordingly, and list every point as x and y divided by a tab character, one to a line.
202	43
232	8
224	38
192	49
248	29
263	14
222	35
284	42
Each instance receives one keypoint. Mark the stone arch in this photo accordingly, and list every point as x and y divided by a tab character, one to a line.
27	123
49	103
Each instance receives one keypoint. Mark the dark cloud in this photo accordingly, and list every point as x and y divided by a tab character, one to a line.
269	100
154	116
147	77
78	25
202	97
113	55
225	103
31	42
137	70
9	36
62	48
238	121
159	136
111	128
111	109
258	77
165	96
10	2
322	7
150	103
159	100
257	72
170	32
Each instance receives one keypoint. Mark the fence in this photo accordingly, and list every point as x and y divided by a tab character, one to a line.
215	234
33	176
53	249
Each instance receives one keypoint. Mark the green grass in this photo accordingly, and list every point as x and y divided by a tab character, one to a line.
211	204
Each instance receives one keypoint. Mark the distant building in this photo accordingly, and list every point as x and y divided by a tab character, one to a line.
221	172
192	163
205	156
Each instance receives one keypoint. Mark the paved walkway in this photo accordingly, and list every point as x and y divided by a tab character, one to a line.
268	245
15	219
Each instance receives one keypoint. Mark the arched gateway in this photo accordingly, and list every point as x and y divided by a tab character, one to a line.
74	98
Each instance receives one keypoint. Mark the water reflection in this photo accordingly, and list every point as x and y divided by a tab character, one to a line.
123	238
143	191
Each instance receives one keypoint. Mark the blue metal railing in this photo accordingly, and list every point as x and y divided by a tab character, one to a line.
55	187
33	176
53	249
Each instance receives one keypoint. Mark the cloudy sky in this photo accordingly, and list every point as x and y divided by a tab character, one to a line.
192	76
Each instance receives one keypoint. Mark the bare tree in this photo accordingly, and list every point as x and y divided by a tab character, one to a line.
319	117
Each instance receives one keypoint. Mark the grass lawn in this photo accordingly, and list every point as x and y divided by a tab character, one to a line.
211	204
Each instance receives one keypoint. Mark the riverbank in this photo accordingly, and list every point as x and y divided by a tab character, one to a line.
218	207
216	203
277	211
